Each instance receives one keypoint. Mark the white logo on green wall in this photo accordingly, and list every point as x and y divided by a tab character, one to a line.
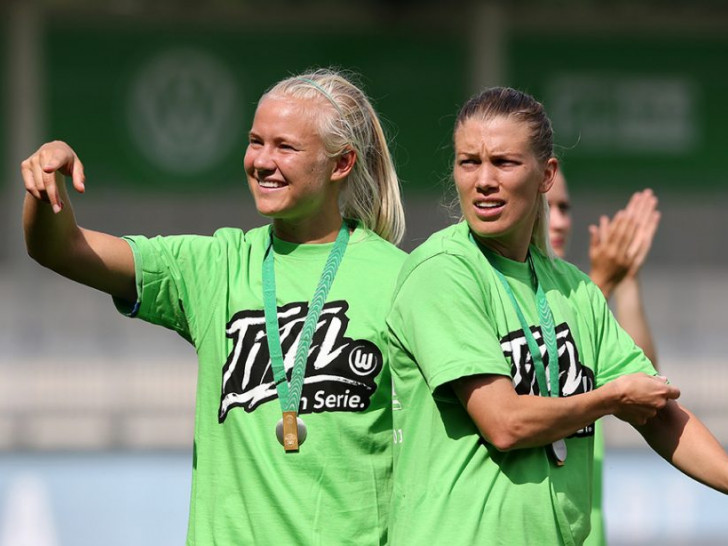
625	114
183	110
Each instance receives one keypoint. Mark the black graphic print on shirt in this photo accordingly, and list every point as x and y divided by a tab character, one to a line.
574	377
340	371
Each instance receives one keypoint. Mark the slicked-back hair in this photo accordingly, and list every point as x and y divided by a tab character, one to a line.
507	102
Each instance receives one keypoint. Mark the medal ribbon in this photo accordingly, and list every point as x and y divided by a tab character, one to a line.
548	331
289	394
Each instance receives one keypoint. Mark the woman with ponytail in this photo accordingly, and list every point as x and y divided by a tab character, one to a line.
293	417
503	356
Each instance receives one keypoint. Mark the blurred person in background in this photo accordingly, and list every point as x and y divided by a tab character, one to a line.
617	250
503	357
287	319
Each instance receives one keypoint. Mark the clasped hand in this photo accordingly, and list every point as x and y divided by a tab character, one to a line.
640	396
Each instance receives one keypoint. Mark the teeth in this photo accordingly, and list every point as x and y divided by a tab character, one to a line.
488	205
269	184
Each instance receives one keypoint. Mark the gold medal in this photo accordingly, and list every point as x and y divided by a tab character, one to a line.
291	431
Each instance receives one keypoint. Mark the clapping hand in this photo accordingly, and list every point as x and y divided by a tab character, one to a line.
619	246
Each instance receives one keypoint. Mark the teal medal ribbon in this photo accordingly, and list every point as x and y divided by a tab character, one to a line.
291	430
548	333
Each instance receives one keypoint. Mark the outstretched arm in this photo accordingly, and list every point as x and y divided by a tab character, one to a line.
54	239
684	441
508	420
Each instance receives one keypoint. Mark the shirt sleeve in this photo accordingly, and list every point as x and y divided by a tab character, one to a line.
617	353
440	316
172	273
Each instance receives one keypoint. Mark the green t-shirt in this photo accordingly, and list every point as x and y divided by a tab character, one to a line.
245	489
451	318
598	534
